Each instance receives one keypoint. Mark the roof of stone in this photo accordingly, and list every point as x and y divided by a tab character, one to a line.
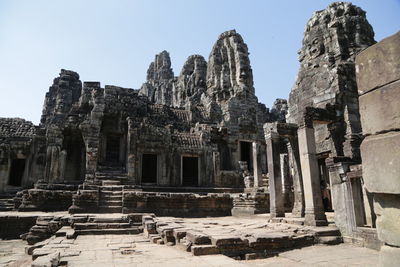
187	140
16	127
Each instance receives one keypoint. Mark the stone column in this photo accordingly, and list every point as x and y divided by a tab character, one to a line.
277	208
216	167
257	165
342	196
294	160
314	212
131	153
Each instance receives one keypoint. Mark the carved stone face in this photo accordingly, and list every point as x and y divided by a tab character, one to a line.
316	47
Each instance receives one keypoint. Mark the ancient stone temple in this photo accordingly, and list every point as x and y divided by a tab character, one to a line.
200	144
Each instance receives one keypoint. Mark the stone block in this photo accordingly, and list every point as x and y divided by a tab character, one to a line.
379	64
389	256
198	238
51	260
380	110
204	250
226	240
381	163
387	209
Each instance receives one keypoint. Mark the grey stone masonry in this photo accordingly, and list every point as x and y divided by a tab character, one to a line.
332	39
378	77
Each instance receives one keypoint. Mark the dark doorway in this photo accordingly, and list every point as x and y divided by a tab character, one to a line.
149	168
16	172
190	171
325	185
246	154
113	148
75	161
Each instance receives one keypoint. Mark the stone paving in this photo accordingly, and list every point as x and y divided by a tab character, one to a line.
136	250
142	250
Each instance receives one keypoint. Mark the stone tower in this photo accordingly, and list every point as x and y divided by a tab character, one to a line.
230	91
160	77
326	79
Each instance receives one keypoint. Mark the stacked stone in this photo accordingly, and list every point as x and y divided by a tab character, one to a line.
326	77
279	110
16	127
191	83
378	78
65	91
160	78
230	94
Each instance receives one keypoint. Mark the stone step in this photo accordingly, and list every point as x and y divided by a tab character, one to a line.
111	193
66	231
83	226
122	231
111	198
326	231
104	176
107	209
110	205
112	188
6	208
329	240
105	202
108	220
110	182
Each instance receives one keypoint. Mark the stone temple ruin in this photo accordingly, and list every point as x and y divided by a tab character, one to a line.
200	144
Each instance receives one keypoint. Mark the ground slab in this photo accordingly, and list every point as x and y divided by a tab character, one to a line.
136	250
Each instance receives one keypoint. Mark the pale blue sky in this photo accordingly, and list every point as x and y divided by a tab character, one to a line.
114	41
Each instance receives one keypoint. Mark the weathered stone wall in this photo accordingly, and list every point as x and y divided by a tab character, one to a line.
178	204
332	39
378	78
17	141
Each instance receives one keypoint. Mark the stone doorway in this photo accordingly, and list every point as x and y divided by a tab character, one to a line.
149	168
16	172
246	154
190	171
74	147
113	145
325	185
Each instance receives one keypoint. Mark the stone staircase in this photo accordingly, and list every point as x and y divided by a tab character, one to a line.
112	179
6	204
112	173
328	235
110	197
107	225
7	199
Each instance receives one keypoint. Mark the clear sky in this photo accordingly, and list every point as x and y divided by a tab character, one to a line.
114	41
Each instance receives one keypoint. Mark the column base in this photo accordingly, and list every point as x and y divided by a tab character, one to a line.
312	219
276	214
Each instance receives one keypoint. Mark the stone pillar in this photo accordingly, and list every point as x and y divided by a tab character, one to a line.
314	211
257	165
378	80
286	180
342	196
277	208
131	153
294	161
217	169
